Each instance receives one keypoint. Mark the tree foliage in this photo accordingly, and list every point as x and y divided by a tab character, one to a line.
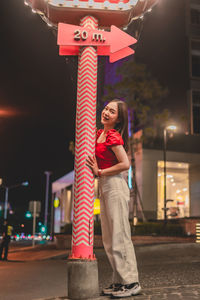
142	93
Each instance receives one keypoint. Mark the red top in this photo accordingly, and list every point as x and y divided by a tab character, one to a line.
105	156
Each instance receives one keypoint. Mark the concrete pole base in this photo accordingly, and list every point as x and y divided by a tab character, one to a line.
82	279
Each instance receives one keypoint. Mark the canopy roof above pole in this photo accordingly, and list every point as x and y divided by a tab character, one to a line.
108	12
63	182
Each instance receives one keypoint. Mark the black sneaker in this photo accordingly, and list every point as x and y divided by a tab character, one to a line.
109	290
127	290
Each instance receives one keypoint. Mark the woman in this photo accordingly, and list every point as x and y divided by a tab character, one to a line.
111	159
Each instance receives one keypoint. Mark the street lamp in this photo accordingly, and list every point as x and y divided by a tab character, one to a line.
7	188
168	128
48	174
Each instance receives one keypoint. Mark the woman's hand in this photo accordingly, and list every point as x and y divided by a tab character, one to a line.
92	163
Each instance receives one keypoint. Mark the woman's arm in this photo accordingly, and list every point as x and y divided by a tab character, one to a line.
122	165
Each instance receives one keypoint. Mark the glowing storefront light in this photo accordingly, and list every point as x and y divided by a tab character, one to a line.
96	206
177	190
130	178
56	202
169	176
171	127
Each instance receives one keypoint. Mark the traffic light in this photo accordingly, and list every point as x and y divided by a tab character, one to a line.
43	229
28	215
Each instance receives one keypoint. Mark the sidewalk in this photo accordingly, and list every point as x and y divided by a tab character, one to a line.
153	240
64	241
38	252
49	250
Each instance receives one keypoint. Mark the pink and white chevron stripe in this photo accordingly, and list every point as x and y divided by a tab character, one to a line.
82	235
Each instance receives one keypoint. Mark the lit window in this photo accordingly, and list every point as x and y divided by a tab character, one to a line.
177	190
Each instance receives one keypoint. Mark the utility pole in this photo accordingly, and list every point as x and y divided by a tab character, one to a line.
6	203
7	188
34	221
171	128
137	201
47	173
165	173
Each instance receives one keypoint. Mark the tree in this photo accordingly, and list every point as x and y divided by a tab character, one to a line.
142	93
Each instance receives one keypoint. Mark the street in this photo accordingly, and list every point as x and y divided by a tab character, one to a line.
167	271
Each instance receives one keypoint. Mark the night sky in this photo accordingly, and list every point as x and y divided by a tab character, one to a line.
37	104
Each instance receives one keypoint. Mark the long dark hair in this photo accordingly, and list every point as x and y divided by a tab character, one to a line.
122	125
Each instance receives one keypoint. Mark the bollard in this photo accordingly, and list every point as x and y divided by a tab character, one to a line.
82	279
197	232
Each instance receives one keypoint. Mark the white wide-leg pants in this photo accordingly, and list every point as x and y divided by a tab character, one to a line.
116	234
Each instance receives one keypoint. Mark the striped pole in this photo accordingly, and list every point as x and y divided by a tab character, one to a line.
83	219
197	232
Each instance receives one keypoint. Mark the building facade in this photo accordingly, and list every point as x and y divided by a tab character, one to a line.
193	33
182	177
169	45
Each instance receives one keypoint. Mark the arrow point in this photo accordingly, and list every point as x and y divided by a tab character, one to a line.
120	54
124	38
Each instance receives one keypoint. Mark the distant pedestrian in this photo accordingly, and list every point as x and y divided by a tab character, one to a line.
7	232
110	160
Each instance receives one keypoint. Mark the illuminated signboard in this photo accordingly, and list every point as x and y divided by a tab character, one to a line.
114	12
96	206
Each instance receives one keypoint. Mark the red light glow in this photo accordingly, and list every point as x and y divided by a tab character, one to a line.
8	112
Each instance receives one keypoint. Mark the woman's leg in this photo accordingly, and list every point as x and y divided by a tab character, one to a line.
116	195
106	227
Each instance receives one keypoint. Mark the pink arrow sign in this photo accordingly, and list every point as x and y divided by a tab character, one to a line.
74	50
71	37
119	39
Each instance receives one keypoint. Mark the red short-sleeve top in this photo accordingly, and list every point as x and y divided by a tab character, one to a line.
105	156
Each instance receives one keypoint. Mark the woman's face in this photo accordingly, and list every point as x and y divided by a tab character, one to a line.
109	115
